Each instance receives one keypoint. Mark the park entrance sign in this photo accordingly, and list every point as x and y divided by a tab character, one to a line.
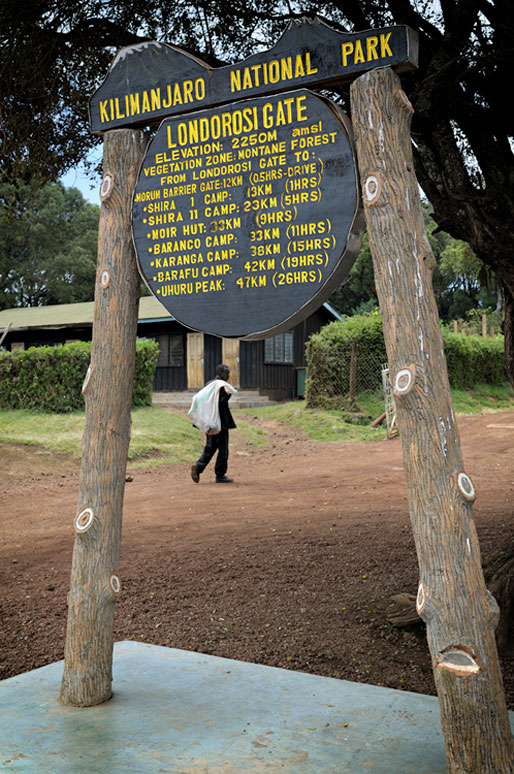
246	217
151	81
246	214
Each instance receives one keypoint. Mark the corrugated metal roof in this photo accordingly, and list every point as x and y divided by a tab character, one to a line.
66	315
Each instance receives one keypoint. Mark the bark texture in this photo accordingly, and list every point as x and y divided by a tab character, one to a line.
452	598
107	391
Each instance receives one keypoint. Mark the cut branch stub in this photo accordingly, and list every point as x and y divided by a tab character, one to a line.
114	584
105	278
421	599
466	487
106	186
427	606
372	188
459	660
404	380
87	378
84	521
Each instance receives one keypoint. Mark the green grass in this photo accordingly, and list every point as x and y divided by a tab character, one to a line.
57	432
323	425
157	436
320	424
160	436
483	399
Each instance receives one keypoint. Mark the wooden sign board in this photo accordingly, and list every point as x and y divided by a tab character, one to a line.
152	80
245	218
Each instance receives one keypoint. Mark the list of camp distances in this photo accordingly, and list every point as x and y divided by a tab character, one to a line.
241	214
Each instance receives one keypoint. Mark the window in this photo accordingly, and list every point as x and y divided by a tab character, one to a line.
279	348
171	350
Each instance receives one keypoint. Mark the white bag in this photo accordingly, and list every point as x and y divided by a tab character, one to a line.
204	410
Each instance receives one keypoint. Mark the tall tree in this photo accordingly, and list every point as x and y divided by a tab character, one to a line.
48	239
357	293
53	56
461	281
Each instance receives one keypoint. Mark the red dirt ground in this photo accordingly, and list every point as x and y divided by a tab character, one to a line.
291	566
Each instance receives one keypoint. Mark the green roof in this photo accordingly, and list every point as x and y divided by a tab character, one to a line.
73	315
66	315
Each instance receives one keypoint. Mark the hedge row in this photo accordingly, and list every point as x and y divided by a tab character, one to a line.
51	378
470	359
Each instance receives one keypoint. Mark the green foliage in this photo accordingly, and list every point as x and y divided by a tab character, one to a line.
321	425
461	282
147	352
462	285
359	287
51	378
49	240
473	359
470	360
329	353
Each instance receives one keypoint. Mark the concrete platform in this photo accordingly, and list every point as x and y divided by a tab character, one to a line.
178	712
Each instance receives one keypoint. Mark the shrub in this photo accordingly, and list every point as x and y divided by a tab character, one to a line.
470	360
328	356
473	359
51	378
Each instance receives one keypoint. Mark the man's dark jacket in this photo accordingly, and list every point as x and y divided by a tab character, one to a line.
227	421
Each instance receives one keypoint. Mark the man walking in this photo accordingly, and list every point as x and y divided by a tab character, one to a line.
219	441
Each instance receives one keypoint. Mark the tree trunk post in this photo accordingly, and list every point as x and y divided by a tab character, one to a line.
107	391
460	614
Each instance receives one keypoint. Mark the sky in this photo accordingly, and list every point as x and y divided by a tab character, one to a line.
76	178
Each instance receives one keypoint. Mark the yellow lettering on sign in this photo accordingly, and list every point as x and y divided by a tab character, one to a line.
136	103
145	103
310	69
371	48
155	95
359	53
118	114
235	80
346	50
285	69
299	70
366	49
177	95
384	45
103	111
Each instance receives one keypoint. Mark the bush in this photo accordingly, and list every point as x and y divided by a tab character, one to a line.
470	359
147	352
328	356
51	378
473	359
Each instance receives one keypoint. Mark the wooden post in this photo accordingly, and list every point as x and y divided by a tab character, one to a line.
460	614
353	374
107	391
484	326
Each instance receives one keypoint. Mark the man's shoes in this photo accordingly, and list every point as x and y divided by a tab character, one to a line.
224	480
195	475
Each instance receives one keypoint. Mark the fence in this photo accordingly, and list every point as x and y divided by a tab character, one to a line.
477	324
338	383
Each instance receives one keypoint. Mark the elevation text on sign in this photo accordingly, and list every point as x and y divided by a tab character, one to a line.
246	217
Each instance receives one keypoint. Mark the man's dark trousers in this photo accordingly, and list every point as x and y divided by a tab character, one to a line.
219	443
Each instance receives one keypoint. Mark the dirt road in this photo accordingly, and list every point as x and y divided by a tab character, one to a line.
292	566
